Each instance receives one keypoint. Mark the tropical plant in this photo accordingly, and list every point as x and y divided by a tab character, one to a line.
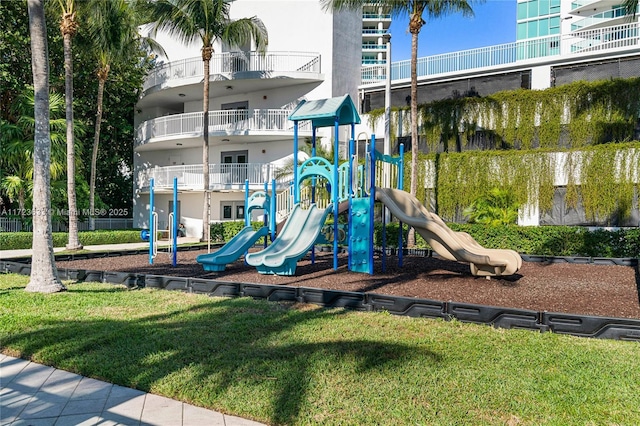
44	275
17	148
112	26
208	21
498	207
415	9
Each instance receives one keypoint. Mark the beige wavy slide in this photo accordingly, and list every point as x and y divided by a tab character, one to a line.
451	245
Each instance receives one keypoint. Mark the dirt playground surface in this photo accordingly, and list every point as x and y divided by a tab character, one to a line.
585	289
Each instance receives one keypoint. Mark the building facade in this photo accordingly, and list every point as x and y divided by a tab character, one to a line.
312	54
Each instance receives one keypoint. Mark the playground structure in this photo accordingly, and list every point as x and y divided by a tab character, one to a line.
248	236
359	185
152	233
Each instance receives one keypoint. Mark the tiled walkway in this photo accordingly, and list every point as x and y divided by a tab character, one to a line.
37	395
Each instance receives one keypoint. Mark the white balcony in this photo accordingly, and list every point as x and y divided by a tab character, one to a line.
229	177
231	65
600	41
254	122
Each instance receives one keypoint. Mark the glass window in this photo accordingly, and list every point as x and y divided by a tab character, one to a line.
554	25
226	212
555	7
543	8
532	29
543	27
240	212
522	10
532	9
522	31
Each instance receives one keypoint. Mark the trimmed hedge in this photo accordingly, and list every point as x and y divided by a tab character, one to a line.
23	240
534	240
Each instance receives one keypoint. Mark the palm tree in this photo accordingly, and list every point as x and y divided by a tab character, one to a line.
44	275
69	28
112	28
207	21
415	9
631	6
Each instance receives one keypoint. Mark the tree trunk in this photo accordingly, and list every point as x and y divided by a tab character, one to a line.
44	275
102	78
411	238
73	242
206	209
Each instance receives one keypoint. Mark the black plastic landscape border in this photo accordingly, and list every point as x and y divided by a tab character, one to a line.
501	317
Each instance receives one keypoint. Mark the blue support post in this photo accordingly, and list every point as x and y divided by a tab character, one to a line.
272	212
247	222
174	252
266	214
350	193
296	195
372	199
152	231
400	186
334	191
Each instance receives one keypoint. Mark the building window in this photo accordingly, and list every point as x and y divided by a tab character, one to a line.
232	210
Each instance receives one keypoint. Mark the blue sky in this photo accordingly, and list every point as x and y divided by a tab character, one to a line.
494	23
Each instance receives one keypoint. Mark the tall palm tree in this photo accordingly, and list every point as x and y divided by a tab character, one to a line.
44	275
69	28
415	9
207	21
112	28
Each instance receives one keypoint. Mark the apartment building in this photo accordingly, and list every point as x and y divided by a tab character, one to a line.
375	29
312	54
557	42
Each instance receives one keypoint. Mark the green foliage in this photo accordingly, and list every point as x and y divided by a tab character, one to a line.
222	232
557	240
23	240
606	174
495	208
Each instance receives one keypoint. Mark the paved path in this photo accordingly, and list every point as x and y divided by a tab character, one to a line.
37	395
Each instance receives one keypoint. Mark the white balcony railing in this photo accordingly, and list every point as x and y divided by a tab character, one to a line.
227	122
576	43
230	63
221	176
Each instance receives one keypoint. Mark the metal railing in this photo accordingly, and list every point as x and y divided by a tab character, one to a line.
229	63
221	176
576	43
227	122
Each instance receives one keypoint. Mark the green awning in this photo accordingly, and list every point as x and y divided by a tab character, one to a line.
323	112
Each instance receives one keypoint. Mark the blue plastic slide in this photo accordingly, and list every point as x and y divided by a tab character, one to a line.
296	238
231	251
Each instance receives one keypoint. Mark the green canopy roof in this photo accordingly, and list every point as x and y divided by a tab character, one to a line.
323	112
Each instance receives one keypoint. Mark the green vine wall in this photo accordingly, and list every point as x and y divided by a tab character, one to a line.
589	121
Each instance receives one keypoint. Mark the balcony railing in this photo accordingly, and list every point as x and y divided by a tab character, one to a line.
575	43
230	63
227	122
221	176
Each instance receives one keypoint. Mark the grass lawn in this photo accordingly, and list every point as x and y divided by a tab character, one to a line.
285	364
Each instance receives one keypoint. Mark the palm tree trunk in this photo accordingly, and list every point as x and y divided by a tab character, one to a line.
206	209
44	275
73	242
94	155
411	238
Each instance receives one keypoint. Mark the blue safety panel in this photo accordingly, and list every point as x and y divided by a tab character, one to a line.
360	234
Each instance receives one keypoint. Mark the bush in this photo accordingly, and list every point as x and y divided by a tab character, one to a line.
23	240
